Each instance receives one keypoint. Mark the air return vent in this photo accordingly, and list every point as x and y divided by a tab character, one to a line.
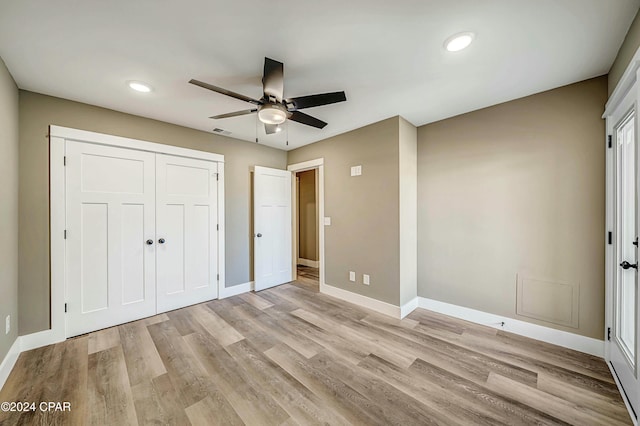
221	131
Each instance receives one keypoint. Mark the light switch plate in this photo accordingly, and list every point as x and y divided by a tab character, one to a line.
356	170
352	276
327	221
365	279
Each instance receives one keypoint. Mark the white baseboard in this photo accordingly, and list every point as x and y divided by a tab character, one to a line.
309	263
235	290
39	339
23	344
409	307
360	300
9	361
550	335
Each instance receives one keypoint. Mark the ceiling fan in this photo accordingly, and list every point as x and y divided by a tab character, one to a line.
273	109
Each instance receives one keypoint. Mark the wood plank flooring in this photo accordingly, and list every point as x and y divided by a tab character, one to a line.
290	355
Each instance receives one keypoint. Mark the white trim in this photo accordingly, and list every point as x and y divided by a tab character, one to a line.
308	262
57	247
623	395
409	307
221	230
57	141
306	165
550	335
360	300
318	163
104	139
624	85
9	361
235	290
40	339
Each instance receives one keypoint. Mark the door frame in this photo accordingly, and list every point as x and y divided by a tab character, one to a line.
57	215
625	97
317	164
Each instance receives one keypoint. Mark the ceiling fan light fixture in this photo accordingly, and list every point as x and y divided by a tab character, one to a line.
139	86
459	41
272	114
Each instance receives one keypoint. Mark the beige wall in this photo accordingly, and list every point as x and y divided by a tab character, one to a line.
626	52
408	187
39	111
517	188
307	219
8	208
364	232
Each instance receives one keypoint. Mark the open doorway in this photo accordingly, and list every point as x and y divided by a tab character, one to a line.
308	246
308	226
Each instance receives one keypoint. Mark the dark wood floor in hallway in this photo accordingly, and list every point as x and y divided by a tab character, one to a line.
290	355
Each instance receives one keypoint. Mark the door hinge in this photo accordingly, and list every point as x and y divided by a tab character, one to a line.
65	160
609	139
610	238
65	307
217	176
65	234
218	277
217	227
608	333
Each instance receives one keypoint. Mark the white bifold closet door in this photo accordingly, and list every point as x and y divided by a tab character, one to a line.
110	203
141	234
187	215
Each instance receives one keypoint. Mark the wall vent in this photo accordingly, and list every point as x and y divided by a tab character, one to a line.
221	131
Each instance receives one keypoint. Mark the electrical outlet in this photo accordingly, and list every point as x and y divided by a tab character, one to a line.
327	221
365	279
352	276
7	324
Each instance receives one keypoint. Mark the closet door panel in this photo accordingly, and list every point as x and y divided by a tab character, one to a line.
110	208
186	212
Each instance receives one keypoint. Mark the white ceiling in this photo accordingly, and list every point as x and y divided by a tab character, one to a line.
387	56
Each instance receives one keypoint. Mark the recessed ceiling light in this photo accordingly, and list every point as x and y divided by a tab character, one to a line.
138	86
459	41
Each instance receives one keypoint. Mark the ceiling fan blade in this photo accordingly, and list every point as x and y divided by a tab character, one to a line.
270	128
303	118
234	114
315	100
273	79
225	92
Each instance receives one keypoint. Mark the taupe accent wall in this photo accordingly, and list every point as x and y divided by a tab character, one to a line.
37	112
307	216
8	208
625	53
364	232
515	192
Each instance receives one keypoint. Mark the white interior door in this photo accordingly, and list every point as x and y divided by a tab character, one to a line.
272	227
624	338
110	205
187	236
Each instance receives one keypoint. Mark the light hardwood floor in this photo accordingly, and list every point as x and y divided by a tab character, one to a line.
290	355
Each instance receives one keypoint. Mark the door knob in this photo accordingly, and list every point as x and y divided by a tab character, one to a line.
161	240
149	242
627	265
259	235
